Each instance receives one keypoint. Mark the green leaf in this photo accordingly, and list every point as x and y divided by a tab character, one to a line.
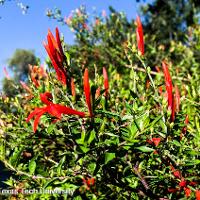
68	58
133	94
127	117
49	182
192	162
145	149
106	113
14	159
59	168
163	126
84	149
175	142
109	157
50	128
92	136
32	166
9	182
2	150
111	134
143	121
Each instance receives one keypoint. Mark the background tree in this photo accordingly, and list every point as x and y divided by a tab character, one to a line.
169	19
19	63
9	88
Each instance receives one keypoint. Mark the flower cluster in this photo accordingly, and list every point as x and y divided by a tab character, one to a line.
56	55
55	110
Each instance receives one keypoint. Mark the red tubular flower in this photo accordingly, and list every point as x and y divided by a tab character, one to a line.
184	130
88	182
56	110
87	91
176	103
98	92
187	191
26	87
106	83
139	36
56	55
176	173
6	73
147	84
37	73
169	88
183	183
73	88
197	194
156	141
173	190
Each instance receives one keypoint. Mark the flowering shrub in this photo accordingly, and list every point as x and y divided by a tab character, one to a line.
105	135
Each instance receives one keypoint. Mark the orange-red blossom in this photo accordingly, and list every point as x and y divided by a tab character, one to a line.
56	110
139	36
106	83
56	55
169	88
86	84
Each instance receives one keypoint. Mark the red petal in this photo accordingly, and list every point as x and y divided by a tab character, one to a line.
32	114
59	43
187	191
54	111
73	87
186	120
139	36
26	87
183	183
156	141
176	173
98	91
87	91
37	119
168	85
172	190
60	74
184	129
68	111
6	73
46	98
50	35
197	193
106	83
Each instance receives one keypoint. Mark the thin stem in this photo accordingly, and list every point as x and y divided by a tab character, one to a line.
156	73
152	83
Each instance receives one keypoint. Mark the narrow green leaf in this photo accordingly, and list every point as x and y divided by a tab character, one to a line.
92	136
192	163
68	58
109	157
145	149
59	168
14	159
32	166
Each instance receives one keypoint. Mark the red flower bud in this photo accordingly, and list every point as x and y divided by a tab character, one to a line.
139	36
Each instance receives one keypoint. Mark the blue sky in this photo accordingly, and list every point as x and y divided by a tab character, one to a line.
28	31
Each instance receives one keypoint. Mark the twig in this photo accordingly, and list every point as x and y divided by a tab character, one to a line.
141	178
155	73
33	177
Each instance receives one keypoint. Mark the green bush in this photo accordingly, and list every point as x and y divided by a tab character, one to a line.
127	145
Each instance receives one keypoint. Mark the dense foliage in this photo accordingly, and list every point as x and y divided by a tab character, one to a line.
110	121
